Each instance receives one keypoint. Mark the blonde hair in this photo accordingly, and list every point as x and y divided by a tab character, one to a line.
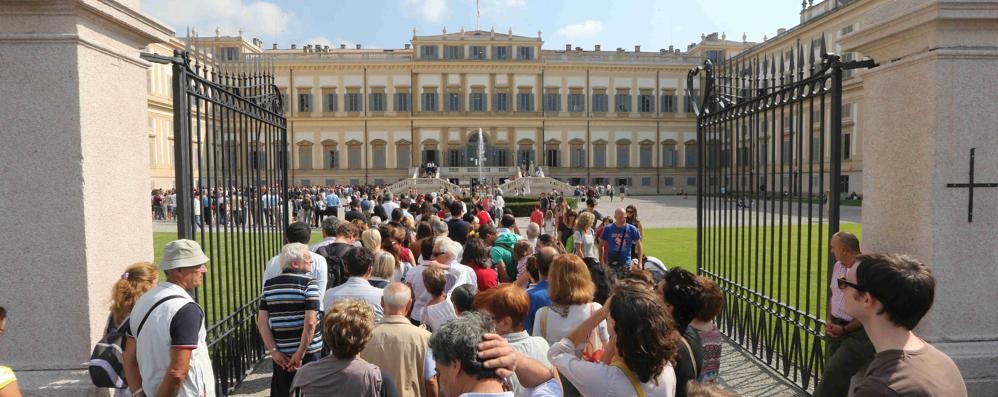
569	281
384	265
584	221
371	239
137	279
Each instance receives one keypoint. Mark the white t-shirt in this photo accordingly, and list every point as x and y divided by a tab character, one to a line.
461	274
598	379
559	326
588	242
435	316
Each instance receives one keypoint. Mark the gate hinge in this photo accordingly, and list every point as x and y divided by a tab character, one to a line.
866	64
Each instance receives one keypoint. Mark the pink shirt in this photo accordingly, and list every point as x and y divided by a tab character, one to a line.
837	306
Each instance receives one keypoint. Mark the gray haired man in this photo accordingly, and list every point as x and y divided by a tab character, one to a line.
170	356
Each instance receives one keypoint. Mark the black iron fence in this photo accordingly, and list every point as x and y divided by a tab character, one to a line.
769	134
230	153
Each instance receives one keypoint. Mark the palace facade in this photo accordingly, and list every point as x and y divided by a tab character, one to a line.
584	116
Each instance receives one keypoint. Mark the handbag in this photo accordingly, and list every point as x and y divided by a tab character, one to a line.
593	351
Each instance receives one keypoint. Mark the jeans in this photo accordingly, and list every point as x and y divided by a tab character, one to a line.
280	381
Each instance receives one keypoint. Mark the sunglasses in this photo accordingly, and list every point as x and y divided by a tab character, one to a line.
842	283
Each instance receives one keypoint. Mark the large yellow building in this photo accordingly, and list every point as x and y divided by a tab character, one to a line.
585	116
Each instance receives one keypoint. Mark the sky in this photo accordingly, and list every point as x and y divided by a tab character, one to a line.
652	24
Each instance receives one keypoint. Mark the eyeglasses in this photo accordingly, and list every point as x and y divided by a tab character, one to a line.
843	284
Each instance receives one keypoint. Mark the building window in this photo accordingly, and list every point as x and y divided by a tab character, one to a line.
847	111
743	156
378	101
599	155
429	102
846	30
353	157
846	147
378	156
230	54
669	158
304	103
525	53
331	102
428	52
843	183
502	102
478	52
788	152
689	104
600	102
402	156
402	102
691	155
453	102
646	181
551	157
305	157
502	53
622	103
524	102
623	155
331	160
644	155
354	102
691	181
578	156
478	102
284	103
668	103
715	56
646	103
668	181
552	102
525	155
454	158
576	103
453	52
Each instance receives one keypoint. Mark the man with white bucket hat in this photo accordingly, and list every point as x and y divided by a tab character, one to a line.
170	352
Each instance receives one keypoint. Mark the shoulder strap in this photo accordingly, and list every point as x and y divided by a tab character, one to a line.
638	390
544	321
154	306
693	360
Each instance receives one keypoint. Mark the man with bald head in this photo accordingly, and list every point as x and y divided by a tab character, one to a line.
399	347
619	237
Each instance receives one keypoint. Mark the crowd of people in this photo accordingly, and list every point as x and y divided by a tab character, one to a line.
434	296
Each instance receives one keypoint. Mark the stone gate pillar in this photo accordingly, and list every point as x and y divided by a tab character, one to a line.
74	166
933	98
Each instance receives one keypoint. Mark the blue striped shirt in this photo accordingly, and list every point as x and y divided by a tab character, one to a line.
286	298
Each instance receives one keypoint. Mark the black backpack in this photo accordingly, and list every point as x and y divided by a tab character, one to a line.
336	273
106	365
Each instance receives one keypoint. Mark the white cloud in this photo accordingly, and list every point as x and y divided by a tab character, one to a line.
255	18
430	10
587	28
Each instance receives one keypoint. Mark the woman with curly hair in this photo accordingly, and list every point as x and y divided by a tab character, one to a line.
643	339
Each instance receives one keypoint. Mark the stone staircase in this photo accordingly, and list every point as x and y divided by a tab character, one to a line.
422	185
533	185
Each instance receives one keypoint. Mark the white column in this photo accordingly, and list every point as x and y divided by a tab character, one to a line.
931	100
75	175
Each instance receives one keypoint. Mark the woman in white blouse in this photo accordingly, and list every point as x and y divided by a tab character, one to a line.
644	339
571	290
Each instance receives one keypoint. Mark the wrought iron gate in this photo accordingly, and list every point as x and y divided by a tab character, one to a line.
230	154
769	148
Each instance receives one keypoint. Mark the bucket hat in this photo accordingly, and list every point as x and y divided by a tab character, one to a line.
182	253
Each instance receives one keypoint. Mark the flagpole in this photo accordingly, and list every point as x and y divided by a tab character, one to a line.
478	14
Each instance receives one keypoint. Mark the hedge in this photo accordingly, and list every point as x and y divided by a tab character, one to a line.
523	206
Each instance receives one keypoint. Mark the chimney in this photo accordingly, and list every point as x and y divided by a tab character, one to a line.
568	47
343	46
670	48
578	49
407	46
637	48
677	51
275	46
597	48
358	46
781	31
620	50
661	51
294	46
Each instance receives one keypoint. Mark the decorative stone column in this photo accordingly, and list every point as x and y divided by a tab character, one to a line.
75	172
930	101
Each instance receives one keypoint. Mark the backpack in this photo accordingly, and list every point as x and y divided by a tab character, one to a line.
106	364
336	272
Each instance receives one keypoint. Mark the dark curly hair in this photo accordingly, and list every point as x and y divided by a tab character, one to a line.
646	335
685	294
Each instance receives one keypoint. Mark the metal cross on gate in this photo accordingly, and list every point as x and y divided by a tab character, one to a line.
970	186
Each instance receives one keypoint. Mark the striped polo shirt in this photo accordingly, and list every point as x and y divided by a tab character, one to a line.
286	298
